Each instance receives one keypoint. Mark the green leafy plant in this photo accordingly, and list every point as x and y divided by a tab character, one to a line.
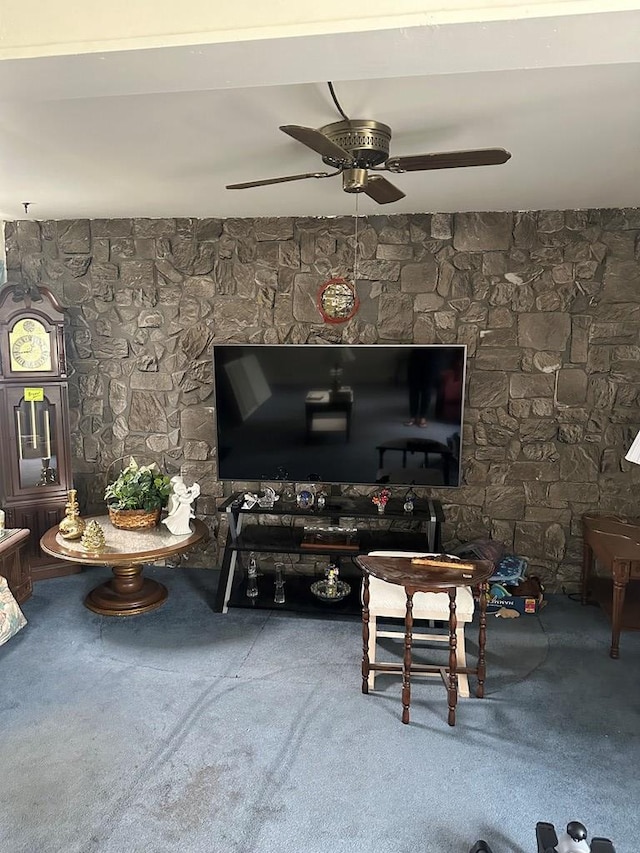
138	487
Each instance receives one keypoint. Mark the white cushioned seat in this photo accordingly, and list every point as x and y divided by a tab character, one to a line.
392	597
390	600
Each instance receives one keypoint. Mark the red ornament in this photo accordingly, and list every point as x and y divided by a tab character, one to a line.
337	300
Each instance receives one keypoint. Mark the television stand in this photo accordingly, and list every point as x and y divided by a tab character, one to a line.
285	530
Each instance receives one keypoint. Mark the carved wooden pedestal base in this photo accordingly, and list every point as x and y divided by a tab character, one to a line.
127	594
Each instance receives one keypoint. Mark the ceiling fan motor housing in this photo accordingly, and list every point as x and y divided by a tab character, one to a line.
366	141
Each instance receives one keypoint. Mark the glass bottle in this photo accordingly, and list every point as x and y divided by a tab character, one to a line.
252	577
278	596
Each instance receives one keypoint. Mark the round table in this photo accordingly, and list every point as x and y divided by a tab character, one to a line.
126	551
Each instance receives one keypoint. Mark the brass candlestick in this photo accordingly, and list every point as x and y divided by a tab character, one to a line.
72	526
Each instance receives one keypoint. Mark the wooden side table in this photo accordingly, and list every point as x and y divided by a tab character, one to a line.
416	578
14	563
128	592
614	541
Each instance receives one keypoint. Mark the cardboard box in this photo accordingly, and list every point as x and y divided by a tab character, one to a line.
523	604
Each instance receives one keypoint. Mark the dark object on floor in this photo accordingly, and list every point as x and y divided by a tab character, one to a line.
573	840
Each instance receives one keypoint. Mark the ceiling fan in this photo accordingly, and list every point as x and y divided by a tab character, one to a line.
358	149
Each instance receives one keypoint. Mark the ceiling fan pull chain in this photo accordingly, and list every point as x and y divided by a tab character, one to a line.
355	248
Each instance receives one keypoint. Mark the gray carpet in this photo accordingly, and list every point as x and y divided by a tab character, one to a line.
188	730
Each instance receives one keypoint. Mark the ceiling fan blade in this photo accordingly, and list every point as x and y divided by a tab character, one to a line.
267	181
448	160
317	141
382	190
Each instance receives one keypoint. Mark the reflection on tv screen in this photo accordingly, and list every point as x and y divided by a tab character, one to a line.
362	414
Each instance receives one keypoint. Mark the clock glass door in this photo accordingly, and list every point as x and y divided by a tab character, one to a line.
35	430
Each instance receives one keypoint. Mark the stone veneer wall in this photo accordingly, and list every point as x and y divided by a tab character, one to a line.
548	304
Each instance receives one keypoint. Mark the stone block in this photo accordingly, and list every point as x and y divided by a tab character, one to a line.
395	317
544	331
150	381
118	396
147	410
504	502
532	385
305	294
579	463
621	280
111	228
273	228
136	273
482	232
561	494
389	252
198	424
427	302
27	237
154	227
379	270
419	278
442	226
488	390
572	387
196	450
497	359
423	329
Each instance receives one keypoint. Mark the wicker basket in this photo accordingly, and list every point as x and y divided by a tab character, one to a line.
134	519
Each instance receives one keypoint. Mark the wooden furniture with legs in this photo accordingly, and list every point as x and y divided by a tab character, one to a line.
446	578
128	593
14	563
388	601
615	543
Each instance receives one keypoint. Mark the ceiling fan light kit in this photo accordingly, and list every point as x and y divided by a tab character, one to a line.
359	149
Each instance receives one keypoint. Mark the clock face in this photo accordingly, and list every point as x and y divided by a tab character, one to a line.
30	347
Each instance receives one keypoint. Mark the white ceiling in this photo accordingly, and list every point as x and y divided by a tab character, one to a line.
159	132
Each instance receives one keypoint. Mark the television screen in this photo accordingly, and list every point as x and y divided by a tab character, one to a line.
363	414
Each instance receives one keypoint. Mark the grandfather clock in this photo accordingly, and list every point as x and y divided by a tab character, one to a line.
35	458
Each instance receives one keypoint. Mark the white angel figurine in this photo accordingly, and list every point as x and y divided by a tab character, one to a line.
179	506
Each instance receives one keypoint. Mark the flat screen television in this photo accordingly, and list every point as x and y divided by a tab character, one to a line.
362	414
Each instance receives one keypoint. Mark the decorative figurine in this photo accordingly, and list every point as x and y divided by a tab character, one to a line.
48	475
332	573
93	539
409	501
268	499
331	588
179	507
71	526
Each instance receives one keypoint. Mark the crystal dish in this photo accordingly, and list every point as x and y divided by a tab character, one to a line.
330	592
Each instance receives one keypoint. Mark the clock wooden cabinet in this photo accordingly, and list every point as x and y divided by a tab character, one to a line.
35	457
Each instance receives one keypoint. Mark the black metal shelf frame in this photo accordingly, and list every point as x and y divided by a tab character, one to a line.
286	538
